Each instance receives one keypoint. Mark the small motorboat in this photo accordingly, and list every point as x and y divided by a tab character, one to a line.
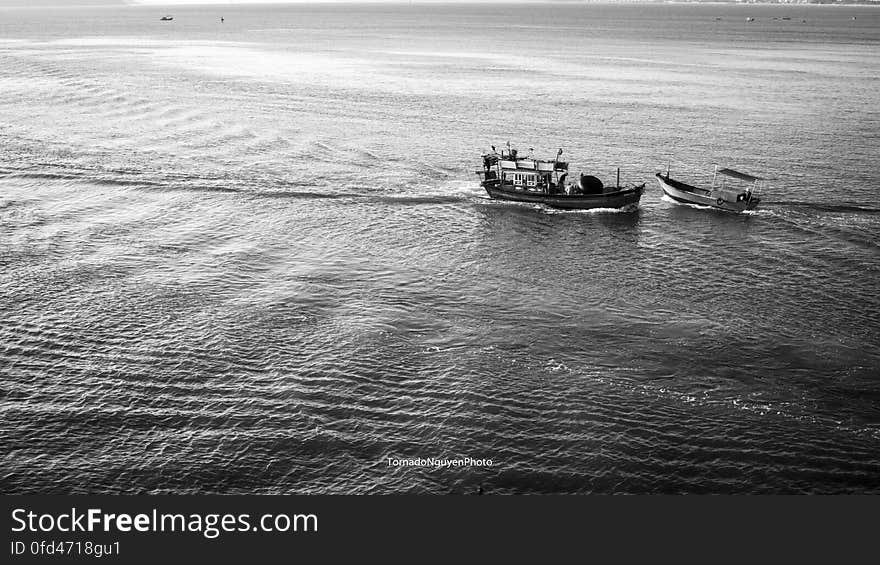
750	19
720	195
509	176
166	18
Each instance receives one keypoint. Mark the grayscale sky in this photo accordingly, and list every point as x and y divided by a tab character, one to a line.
23	3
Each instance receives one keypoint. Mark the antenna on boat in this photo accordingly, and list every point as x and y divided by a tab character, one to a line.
618	177
667	170
715	174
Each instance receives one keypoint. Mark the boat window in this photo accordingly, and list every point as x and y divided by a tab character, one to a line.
530	180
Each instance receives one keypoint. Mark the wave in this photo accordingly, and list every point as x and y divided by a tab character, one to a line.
71	176
628	209
817	226
821	207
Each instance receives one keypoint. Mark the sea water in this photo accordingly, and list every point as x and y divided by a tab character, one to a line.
253	256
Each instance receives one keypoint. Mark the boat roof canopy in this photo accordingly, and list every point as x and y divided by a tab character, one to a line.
738	175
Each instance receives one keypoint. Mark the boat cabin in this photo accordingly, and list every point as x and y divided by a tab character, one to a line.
511	171
724	182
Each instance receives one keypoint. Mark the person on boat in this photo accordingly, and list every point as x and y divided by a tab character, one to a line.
562	186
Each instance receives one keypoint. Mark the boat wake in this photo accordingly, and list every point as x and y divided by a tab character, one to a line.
833	208
628	209
666	198
762	407
857	229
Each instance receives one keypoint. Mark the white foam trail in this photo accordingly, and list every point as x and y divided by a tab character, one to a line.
666	198
629	208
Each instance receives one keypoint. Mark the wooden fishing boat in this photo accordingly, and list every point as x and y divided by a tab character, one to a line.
720	195
509	176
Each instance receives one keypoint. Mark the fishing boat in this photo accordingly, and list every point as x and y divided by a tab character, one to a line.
166	18
724	193
509	176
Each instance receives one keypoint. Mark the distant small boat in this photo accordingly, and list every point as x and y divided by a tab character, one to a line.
722	196
508	176
166	18
750	19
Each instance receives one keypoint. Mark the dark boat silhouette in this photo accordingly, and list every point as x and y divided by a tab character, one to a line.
508	176
166	18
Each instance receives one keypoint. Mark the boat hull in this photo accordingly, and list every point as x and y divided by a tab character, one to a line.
687	194
616	199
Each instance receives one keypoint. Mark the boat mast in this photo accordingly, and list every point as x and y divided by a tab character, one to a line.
555	161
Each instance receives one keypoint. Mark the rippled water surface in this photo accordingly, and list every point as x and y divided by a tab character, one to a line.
254	257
